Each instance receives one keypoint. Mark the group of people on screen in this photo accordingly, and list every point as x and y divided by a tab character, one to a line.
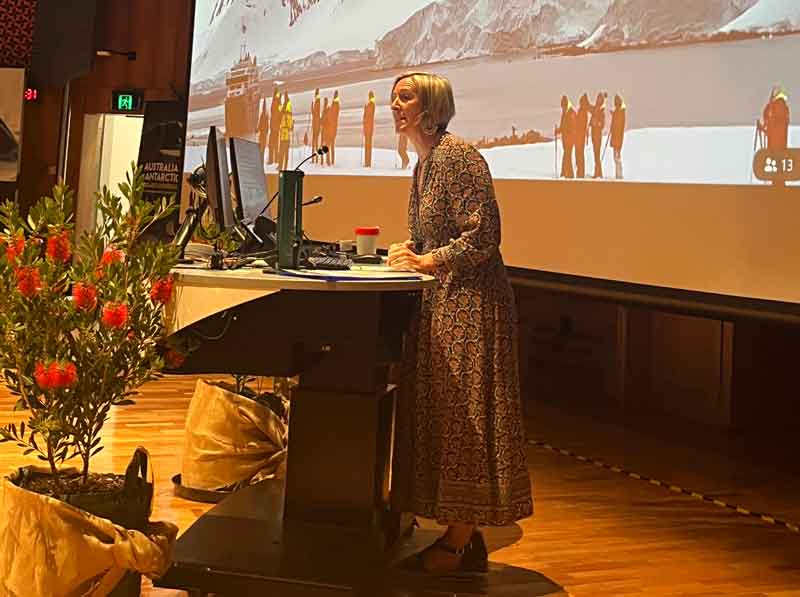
590	124
276	140
577	127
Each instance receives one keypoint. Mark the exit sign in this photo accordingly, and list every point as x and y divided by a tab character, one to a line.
127	101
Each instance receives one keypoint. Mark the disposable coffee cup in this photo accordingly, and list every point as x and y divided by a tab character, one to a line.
367	239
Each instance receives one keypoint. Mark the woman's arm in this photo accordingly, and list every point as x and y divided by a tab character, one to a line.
471	193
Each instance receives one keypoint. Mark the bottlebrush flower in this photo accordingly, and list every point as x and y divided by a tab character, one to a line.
67	374
85	296
174	359
161	292
29	281
112	255
115	315
55	375
41	376
59	247
15	248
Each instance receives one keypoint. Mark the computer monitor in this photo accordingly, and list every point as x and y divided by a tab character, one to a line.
218	190
250	184
249	181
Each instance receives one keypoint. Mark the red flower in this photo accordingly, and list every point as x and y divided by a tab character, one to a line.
67	374
41	376
161	292
59	247
112	255
85	296
29	281
174	359
55	375
15	249
115	315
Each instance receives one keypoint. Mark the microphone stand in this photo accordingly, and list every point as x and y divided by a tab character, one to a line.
319	152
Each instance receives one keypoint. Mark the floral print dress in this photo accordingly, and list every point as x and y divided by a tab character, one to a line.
460	447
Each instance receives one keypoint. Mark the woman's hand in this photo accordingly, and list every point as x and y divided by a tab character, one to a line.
401	257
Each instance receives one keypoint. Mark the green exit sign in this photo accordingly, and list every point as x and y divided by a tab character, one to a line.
127	101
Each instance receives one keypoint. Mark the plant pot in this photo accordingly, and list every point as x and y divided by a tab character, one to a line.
230	441
103	536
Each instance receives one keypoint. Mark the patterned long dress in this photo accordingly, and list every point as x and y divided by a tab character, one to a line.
460	447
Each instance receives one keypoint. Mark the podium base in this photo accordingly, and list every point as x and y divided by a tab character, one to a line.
243	546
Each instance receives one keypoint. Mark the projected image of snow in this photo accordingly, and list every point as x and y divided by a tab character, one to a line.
641	90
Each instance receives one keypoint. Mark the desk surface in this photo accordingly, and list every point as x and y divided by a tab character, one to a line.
360	279
201	292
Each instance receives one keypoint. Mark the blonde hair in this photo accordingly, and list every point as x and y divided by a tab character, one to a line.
436	97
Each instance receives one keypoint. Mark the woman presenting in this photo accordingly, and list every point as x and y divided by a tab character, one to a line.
460	450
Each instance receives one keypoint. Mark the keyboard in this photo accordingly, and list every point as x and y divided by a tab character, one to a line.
329	262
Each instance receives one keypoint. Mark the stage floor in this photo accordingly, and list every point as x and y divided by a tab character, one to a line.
597	530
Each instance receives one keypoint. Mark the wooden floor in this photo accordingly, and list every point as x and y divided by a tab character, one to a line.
596	532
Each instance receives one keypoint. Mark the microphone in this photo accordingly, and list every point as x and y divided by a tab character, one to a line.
312	201
321	151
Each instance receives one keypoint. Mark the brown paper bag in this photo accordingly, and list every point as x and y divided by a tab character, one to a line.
230	439
49	548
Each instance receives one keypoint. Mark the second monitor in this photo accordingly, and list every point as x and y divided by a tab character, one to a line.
250	188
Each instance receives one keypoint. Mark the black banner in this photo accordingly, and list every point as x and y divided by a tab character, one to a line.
161	156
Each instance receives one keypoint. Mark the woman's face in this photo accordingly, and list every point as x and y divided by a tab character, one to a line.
406	106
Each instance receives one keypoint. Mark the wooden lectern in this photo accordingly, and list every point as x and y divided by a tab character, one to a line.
329	529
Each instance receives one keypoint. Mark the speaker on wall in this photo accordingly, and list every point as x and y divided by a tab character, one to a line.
63	41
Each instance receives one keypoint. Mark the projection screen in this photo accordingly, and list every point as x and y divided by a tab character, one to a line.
620	133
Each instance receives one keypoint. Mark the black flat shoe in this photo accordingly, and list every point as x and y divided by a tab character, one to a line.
474	557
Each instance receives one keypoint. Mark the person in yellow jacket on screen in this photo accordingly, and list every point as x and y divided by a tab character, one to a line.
333	127
287	126
368	122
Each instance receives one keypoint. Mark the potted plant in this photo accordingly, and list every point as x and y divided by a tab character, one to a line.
81	328
235	436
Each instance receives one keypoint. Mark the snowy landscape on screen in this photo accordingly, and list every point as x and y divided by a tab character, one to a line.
700	155
695	75
414	32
